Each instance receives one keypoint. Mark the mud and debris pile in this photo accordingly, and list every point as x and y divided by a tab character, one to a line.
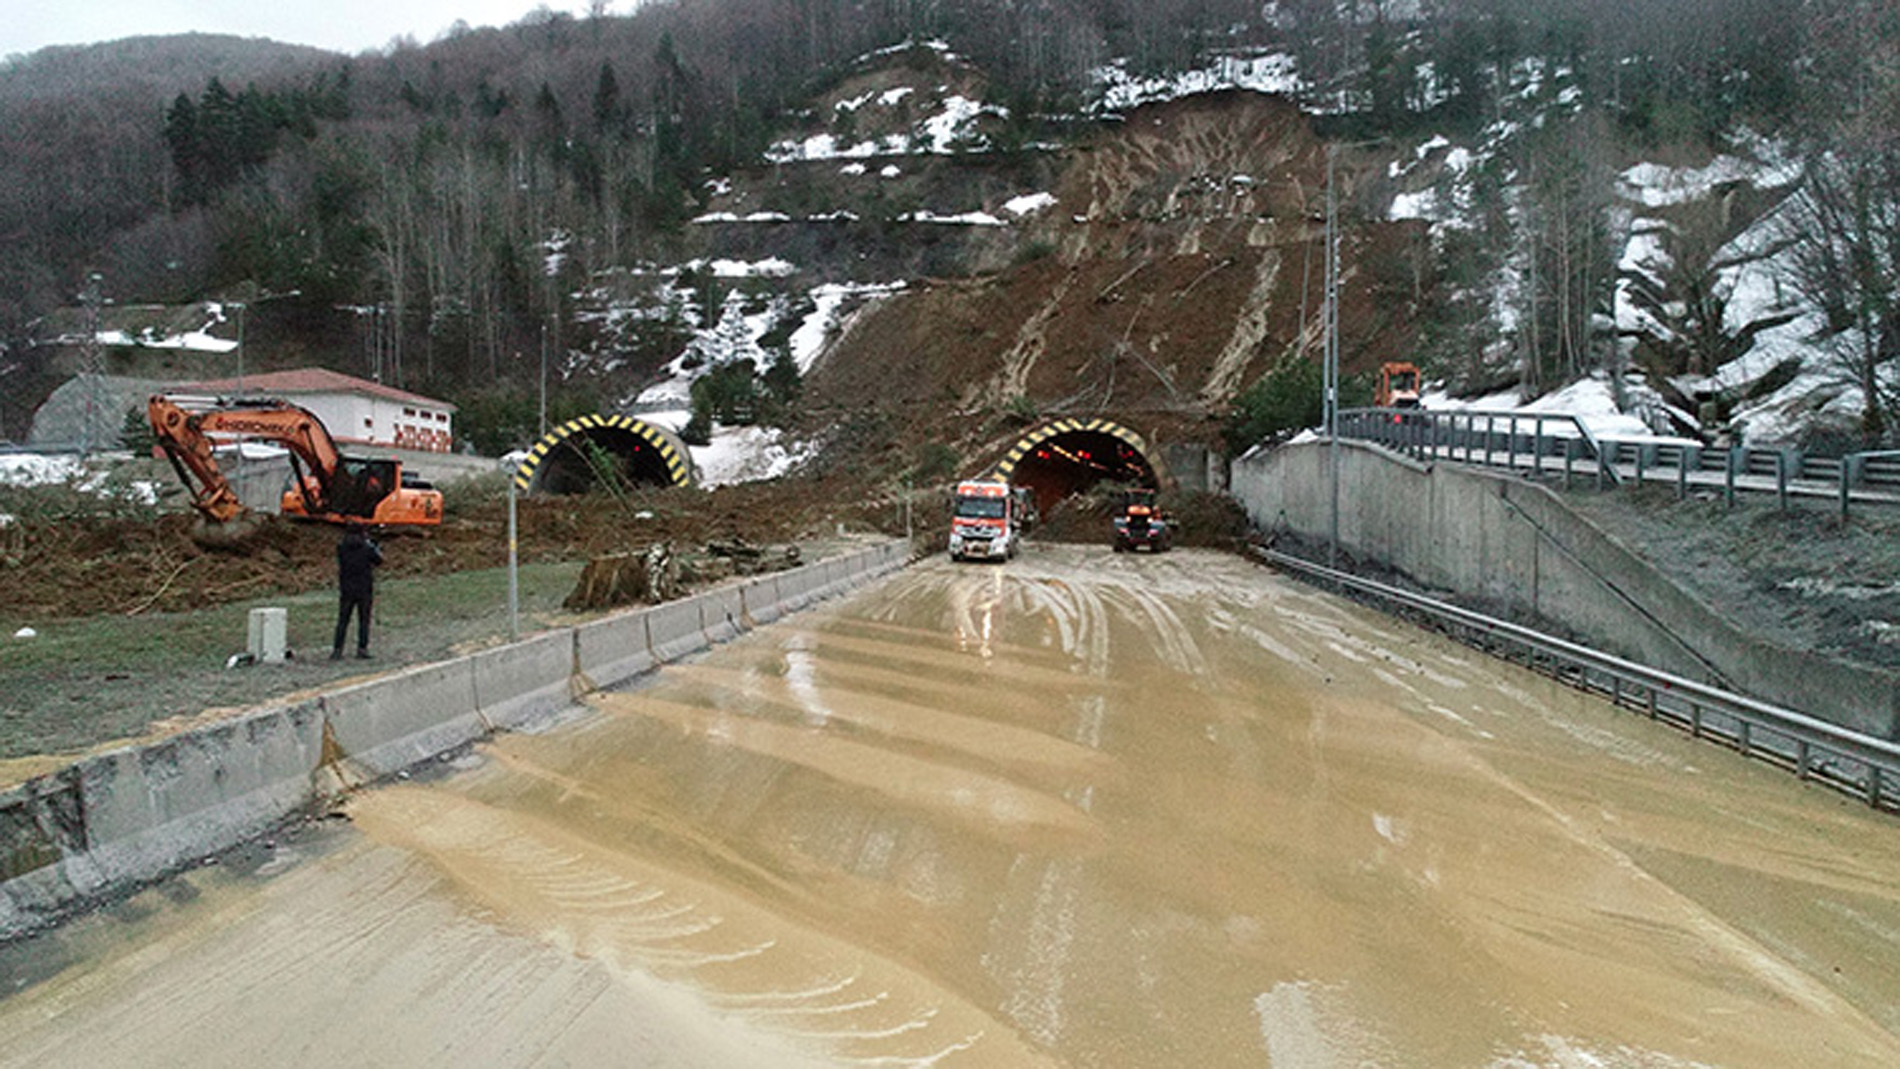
135	564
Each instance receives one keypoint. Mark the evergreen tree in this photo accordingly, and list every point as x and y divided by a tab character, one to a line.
607	107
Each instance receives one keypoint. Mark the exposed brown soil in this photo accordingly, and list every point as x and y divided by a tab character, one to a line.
1182	260
135	566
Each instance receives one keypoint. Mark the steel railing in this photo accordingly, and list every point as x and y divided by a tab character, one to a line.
1552	445
1858	765
1541	443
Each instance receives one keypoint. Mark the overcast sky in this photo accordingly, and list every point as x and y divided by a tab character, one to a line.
342	25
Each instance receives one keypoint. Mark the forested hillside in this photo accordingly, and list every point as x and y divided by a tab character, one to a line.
434	212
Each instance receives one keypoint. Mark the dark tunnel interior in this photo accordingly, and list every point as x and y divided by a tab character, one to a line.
1073	461
577	464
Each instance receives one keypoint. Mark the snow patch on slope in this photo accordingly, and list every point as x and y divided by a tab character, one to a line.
1275	73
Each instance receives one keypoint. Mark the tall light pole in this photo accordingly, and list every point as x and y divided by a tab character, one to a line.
248	293
1331	353
92	296
1332	336
240	349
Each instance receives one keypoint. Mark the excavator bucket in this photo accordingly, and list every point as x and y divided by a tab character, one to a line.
227	534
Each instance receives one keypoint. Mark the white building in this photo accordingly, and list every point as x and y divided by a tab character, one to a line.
355	411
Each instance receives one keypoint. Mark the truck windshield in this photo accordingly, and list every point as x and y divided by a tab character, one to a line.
980	508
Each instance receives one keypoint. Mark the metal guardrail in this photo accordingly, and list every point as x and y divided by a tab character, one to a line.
1554	444
1860	766
1498	439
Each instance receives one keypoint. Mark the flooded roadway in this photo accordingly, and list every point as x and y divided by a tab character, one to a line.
1079	810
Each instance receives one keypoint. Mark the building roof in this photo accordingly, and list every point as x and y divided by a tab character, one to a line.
310	380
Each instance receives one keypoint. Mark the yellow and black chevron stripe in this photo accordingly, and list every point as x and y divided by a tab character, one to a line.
1007	466
676	467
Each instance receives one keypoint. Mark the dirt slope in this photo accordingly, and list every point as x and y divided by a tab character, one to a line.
1180	262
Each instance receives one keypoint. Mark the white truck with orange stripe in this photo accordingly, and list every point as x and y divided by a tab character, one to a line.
985	522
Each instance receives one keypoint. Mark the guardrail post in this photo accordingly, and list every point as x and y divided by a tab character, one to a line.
1682	473
1570	452
1642	463
1781	478
1728	479
1846	483
1537	447
1873	786
1510	447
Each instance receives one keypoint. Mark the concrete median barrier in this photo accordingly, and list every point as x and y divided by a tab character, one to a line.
383	726
759	600
674	630
117	819
121	817
618	648
531	679
722	614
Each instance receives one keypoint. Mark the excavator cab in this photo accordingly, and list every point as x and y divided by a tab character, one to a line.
1398	385
360	485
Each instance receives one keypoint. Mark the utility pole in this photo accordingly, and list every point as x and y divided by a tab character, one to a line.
1332	335
1331	354
94	360
240	349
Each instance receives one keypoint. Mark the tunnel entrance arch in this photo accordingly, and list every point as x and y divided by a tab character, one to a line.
567	459
1069	456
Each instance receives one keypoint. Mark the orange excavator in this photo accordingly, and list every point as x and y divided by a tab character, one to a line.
1398	386
325	485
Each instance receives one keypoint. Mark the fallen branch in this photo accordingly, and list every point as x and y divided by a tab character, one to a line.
162	587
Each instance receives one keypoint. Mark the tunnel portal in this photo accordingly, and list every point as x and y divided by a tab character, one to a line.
1069	456
573	458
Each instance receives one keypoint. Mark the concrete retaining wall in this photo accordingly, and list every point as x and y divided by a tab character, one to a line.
133	814
1499	538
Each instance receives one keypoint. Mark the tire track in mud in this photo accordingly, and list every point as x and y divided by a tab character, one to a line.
834	1002
1041	907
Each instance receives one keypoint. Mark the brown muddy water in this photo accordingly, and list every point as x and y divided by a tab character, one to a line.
1078	810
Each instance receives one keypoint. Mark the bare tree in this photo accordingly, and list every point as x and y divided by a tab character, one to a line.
1568	268
1845	218
1847	263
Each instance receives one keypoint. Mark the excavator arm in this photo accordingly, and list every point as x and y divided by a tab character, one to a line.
188	444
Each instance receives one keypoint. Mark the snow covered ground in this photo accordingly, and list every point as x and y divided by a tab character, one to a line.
1590	400
92	477
738	454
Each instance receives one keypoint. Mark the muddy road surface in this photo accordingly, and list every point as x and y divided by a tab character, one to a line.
1079	810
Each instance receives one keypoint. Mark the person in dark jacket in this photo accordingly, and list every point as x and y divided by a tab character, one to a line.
356	559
